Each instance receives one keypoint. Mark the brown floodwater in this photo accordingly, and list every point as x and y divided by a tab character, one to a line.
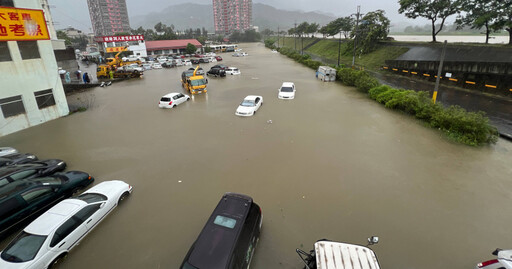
332	164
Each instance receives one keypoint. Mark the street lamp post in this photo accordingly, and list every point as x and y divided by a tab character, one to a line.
355	36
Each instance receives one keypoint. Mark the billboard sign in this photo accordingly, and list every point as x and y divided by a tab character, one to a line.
119	38
20	24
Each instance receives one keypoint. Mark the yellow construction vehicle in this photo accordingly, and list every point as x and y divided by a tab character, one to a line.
117	62
193	82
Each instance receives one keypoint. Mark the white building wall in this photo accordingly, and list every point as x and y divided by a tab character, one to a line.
24	77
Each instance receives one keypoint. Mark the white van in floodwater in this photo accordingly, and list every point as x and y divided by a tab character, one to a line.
326	73
335	255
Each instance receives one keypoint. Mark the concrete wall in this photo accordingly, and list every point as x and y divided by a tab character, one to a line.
24	77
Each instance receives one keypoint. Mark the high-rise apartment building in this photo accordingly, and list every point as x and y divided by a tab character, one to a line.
108	17
232	15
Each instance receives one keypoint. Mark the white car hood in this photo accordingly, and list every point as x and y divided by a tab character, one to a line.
245	109
286	94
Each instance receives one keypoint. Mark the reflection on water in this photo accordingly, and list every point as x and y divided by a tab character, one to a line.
331	164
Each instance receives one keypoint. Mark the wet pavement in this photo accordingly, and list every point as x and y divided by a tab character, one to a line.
332	164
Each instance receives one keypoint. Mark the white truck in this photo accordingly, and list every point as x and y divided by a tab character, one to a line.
326	73
335	255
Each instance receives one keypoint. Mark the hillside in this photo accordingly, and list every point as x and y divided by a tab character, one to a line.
189	15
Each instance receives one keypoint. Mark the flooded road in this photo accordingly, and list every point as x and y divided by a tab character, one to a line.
332	164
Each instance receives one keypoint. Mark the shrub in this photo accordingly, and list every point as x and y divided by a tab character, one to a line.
364	82
349	76
378	90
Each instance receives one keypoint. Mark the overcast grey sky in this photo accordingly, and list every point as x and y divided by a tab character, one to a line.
76	14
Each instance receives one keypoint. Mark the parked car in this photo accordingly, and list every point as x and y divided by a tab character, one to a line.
503	260
49	238
212	59
187	62
156	66
179	62
217	72
287	91
220	66
11	173
168	64
172	99
230	236
237	54
249	106
195	61
136	67
204	60
25	199
218	58
146	66
328	255
18	158
233	71
4	151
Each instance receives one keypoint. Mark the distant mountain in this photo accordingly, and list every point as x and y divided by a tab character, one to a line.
184	16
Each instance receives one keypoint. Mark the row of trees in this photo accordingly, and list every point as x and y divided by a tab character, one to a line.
492	15
163	32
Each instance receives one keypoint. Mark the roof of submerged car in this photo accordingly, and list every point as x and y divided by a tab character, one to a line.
215	244
252	97
287	84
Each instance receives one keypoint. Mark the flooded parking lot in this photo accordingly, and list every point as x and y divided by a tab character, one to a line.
331	164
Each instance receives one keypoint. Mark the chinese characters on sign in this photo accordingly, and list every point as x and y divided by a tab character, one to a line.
116	49
120	38
18	24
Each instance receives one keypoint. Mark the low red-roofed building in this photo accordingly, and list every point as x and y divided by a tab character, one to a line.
158	47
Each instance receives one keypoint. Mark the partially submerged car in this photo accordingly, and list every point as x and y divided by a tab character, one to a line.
502	261
233	71
25	199
172	99
249	106
217	72
18	158
335	255
229	238
35	169
49	238
287	91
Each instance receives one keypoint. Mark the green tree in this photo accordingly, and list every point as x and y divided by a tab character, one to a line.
343	24
312	28
374	27
62	35
503	17
302	28
191	49
478	14
267	32
202	40
433	10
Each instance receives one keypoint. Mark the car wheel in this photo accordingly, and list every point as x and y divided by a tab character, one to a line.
58	260
188	98
123	197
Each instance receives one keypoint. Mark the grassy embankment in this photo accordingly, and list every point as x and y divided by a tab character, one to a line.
470	128
328	49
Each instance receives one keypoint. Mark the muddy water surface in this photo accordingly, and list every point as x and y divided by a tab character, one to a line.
332	164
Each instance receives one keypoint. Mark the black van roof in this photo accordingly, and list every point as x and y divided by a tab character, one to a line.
215	244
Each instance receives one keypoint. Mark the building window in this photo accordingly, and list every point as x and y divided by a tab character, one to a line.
29	50
6	3
5	54
12	106
44	98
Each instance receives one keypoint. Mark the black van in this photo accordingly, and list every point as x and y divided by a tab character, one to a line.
229	237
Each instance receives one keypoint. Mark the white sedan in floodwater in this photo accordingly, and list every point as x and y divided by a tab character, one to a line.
49	238
249	106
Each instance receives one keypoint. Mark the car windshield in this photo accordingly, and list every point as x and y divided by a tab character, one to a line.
286	89
23	248
92	197
198	82
247	103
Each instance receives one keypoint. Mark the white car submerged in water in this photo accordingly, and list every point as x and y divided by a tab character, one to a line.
49	238
249	106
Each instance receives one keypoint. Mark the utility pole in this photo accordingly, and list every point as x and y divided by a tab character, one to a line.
295	35
278	36
355	36
439	72
339	50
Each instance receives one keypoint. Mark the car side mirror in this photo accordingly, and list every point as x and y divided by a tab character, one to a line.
102	205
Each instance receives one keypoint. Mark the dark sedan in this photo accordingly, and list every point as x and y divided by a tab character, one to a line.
195	61
17	159
11	173
220	66
26	199
216	72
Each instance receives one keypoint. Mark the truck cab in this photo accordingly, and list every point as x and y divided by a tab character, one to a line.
193	82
